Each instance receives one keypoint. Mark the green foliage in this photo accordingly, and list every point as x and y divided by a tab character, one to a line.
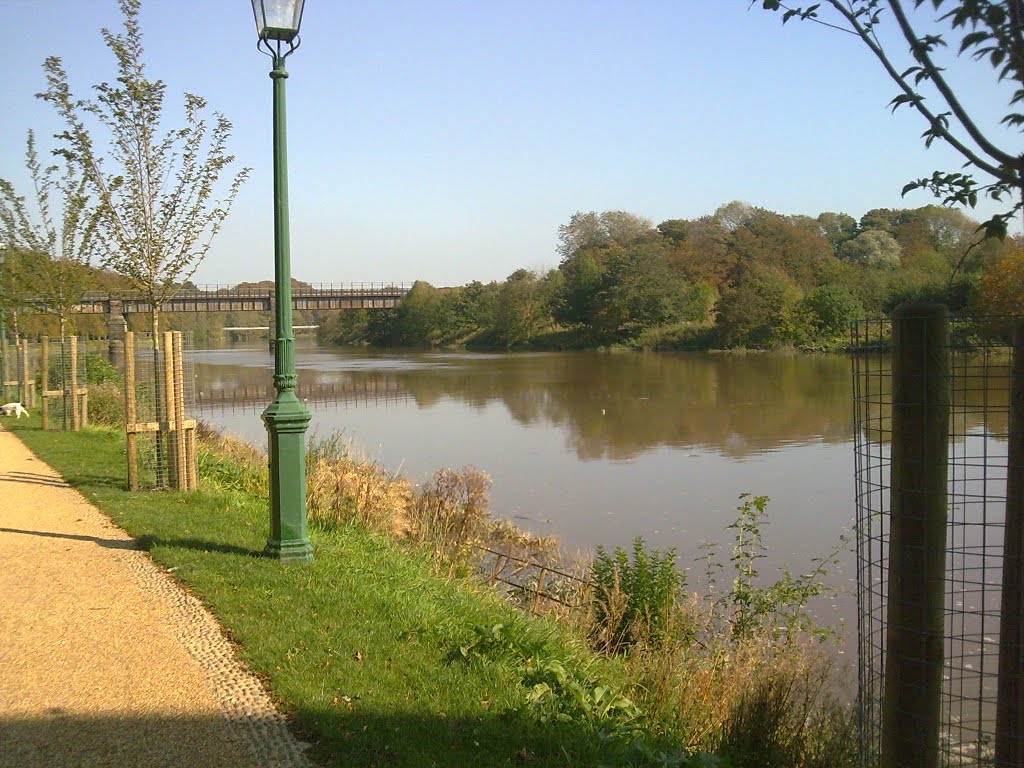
760	278
106	404
521	311
633	599
831	309
780	608
775	725
417	318
47	250
98	370
872	248
762	309
989	33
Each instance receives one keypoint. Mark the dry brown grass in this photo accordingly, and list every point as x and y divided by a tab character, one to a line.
343	488
450	511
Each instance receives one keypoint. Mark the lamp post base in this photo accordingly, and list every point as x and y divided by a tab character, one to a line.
289	551
286	420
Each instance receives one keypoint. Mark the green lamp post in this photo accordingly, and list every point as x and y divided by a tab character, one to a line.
286	418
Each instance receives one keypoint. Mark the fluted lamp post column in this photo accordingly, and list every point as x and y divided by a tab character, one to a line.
286	418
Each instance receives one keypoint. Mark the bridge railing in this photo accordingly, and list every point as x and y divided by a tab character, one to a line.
394	289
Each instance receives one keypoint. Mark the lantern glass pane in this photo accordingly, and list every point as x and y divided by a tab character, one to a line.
277	19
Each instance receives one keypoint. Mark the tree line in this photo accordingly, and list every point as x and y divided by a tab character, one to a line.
743	276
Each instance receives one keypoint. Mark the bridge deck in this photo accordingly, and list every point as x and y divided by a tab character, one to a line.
215	298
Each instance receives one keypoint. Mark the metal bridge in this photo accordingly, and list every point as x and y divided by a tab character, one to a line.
223	298
254	397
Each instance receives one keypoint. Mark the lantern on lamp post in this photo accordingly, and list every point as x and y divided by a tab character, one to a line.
286	418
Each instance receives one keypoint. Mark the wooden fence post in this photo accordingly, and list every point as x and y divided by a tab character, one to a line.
912	697
6	369
72	383
130	411
181	461
26	393
1010	689
44	362
169	411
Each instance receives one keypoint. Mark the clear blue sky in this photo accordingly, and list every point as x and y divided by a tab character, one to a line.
447	141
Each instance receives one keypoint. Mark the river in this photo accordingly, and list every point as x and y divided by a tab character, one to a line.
595	448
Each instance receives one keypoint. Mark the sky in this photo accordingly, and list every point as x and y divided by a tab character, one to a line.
447	141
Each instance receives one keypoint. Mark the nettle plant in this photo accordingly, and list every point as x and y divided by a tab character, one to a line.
779	609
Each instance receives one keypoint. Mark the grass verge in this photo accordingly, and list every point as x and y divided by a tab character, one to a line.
377	660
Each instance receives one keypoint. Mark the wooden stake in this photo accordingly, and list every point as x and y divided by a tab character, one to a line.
84	394
190	459
45	362
76	416
26	393
1010	689
179	414
7	371
169	411
912	698
130	411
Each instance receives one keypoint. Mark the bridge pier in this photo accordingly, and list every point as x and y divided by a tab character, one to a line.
117	326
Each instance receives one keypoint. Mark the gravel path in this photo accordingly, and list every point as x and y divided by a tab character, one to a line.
104	660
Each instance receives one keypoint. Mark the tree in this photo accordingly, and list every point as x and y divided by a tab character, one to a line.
593	230
831	309
521	311
872	248
417	316
156	192
577	303
989	31
49	251
837	228
760	310
1001	288
638	291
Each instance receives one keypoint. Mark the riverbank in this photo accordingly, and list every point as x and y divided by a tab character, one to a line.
371	639
363	649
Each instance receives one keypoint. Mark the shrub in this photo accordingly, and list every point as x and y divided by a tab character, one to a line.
99	370
106	404
632	600
451	511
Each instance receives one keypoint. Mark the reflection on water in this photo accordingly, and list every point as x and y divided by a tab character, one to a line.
596	448
610	406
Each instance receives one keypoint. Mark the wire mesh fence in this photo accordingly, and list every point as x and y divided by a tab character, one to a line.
160	398
19	371
63	383
972	469
8	371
